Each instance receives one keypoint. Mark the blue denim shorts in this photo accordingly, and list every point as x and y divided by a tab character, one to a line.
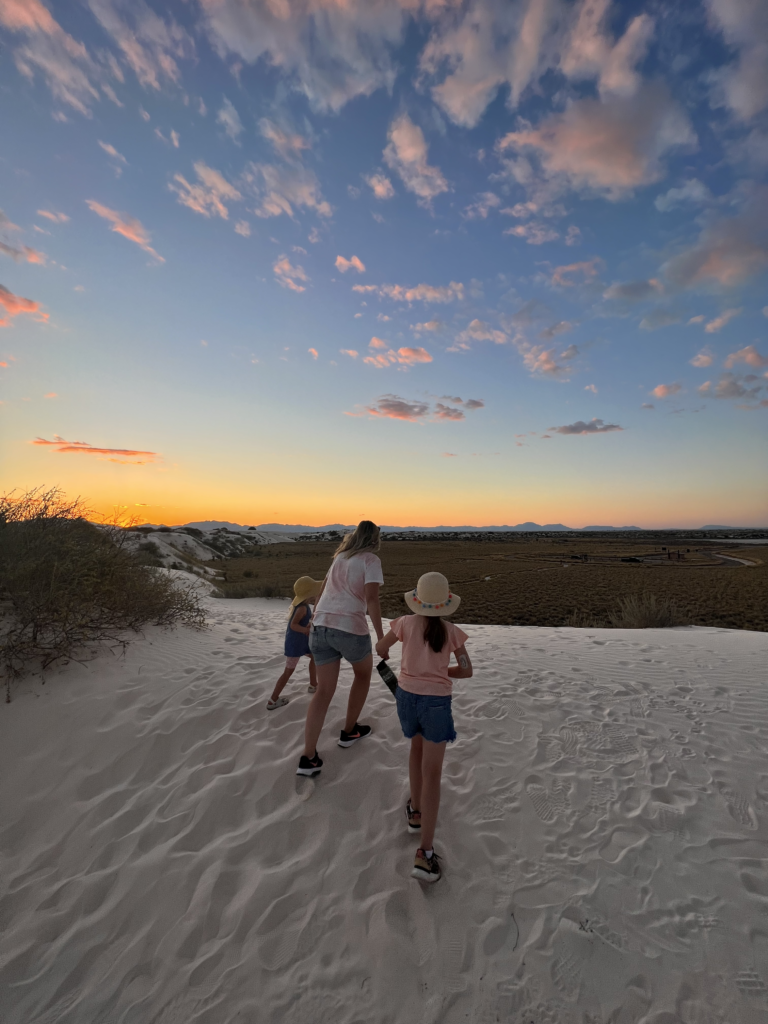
423	715
328	645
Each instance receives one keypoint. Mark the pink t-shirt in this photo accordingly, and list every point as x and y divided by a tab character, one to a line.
423	670
342	604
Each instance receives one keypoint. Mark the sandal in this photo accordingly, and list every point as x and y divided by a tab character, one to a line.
279	703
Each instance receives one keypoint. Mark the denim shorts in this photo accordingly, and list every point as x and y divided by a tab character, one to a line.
425	715
328	645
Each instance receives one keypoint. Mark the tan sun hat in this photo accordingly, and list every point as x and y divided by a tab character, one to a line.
304	588
432	596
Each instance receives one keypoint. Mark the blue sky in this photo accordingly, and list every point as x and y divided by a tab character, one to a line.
424	262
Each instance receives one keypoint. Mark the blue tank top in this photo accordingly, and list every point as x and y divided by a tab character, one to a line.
297	644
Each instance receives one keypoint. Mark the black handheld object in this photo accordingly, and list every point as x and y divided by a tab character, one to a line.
387	675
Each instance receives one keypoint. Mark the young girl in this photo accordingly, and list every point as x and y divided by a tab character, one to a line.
424	702
297	638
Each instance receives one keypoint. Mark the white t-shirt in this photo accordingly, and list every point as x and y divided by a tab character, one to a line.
342	604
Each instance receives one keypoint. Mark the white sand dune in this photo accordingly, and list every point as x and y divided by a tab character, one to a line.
604	828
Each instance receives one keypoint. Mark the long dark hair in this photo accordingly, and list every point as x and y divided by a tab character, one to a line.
435	633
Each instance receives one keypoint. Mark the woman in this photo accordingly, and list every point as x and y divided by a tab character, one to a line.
340	630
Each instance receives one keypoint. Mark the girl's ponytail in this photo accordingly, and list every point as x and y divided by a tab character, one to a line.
435	633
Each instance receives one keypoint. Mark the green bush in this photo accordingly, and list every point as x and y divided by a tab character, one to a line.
66	583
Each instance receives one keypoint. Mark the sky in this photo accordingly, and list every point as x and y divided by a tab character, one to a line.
420	261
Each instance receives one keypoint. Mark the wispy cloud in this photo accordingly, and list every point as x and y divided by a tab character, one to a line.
351	264
288	144
208	195
634	291
384	356
14	305
352	353
313	352
702	359
57	218
479	330
482	206
586	270
243	228
229	119
110	150
380	185
280	189
406	154
288	275
692	191
748	355
127	226
719	322
396	408
665	390
417	293
128	456
533	232
594	426
24	252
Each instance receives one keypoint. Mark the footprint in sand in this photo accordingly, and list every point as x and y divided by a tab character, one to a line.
566	974
739	808
547	804
749	983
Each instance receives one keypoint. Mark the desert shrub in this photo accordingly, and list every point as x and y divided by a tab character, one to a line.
582	619
646	611
66	583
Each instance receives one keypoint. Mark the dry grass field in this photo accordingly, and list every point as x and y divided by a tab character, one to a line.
537	582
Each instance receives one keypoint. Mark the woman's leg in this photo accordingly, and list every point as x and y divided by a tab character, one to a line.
312	672
361	684
414	771
431	772
280	684
327	677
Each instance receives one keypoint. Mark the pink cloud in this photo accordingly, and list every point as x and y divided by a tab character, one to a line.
748	355
418	293
349	352
533	233
125	455
479	330
380	185
587	269
313	352
406	154
665	390
57	218
395	408
404	356
702	359
27	15
377	343
351	264
448	412
411	356
719	322
15	304
24	253
287	275
127	226
208	195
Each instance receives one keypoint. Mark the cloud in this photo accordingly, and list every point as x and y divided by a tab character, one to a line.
592	53
406	154
562	327
634	291
573	235
288	144
591	387
351	264
533	232
395	408
474	403
702	359
331	52
57	218
748	355
386	356
288	276
207	197
418	293
729	250
648	405
280	189
447	412
51	394
731	386
27	15
696	320
243	228
545	361
25	253
229	119
111	151
349	352
587	269
665	390
659	317
422	328
719	322
127	226
485	202
450	455
490	44
380	185
610	146
479	330
743	85
15	304
129	456
594	426
149	44
313	352
692	191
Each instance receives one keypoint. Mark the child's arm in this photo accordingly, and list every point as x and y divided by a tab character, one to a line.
298	615
384	645
464	668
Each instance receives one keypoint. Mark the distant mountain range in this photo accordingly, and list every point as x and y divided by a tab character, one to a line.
216	524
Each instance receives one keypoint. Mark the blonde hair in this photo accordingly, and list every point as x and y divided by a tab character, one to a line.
366	537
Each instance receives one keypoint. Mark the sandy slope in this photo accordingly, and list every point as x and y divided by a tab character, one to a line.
604	828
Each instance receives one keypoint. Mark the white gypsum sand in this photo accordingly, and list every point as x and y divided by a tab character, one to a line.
603	825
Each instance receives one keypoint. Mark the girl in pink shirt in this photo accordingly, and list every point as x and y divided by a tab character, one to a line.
424	702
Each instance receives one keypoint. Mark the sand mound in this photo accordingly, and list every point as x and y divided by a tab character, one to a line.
604	827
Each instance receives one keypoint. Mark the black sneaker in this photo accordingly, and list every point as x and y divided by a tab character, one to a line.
309	765
348	738
414	818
